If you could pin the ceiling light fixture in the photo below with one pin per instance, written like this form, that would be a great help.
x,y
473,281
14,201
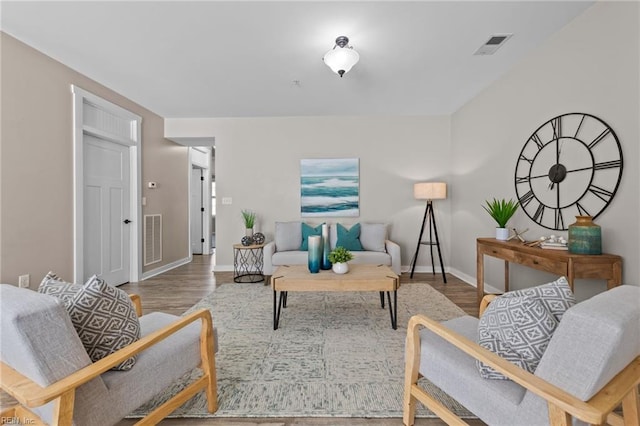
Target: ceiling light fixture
x,y
342,57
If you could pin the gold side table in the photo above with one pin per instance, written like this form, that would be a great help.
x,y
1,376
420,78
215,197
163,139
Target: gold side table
x,y
248,263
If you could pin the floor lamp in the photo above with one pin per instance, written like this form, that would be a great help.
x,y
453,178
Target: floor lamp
x,y
429,191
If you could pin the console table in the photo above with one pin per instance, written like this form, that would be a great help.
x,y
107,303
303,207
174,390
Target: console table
x,y
604,266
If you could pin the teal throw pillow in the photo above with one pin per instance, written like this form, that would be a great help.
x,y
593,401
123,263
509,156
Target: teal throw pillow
x,y
308,231
349,239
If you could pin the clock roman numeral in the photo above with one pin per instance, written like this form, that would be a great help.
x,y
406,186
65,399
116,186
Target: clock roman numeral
x,y
529,160
579,125
601,193
559,219
526,198
608,165
582,210
556,123
523,179
537,216
537,140
601,136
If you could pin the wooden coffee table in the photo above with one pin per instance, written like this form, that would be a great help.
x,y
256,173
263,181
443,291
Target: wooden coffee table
x,y
359,278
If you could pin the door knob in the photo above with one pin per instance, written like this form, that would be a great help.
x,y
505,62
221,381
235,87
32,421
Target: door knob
x,y
127,221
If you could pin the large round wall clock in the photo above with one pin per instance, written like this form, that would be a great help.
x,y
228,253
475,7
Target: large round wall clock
x,y
570,166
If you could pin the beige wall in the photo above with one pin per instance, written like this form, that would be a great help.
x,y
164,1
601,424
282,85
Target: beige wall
x,y
36,166
590,66
258,166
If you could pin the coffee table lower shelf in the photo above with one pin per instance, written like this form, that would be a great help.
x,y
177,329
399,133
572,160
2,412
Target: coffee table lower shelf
x,y
359,278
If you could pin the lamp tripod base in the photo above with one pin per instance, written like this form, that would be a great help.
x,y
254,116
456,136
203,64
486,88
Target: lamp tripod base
x,y
433,232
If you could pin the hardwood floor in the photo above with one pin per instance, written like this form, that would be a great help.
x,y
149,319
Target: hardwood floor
x,y
179,289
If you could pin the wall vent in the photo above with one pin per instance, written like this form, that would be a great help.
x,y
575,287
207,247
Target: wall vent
x,y
152,238
494,43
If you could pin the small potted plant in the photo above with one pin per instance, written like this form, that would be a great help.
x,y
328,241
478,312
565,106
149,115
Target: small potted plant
x,y
339,257
249,219
501,211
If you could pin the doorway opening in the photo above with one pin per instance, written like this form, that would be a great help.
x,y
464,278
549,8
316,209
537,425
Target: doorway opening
x,y
213,214
197,210
200,224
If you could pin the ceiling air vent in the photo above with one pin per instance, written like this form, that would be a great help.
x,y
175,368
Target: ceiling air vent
x,y
493,44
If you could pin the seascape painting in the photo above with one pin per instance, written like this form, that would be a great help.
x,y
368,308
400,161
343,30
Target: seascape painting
x,y
330,187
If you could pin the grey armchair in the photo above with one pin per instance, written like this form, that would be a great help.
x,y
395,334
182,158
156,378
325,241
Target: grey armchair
x,y
592,364
46,368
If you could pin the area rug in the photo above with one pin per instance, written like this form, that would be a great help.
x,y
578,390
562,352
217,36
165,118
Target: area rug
x,y
333,355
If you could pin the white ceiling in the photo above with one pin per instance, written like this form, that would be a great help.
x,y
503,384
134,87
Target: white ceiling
x,y
240,59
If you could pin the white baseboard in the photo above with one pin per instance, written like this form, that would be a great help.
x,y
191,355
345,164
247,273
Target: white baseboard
x,y
164,268
223,268
407,268
472,281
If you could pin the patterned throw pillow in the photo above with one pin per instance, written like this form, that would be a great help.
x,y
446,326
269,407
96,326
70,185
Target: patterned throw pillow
x,y
518,329
55,286
349,239
104,316
556,296
519,325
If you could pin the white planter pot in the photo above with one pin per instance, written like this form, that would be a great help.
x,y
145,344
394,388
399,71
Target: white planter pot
x,y
502,234
340,268
248,232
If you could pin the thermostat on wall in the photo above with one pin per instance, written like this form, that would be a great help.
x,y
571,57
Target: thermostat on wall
x,y
152,185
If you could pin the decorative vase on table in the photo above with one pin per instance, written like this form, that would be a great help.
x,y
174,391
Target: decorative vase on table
x,y
502,234
325,263
258,238
340,267
248,232
314,253
585,237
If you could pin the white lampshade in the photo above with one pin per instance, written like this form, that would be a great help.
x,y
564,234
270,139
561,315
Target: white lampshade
x,y
342,57
430,190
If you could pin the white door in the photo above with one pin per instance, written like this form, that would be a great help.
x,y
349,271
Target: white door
x,y
106,210
196,210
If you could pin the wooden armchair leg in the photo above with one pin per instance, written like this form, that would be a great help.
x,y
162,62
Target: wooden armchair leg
x,y
630,408
63,409
209,365
558,417
411,374
409,407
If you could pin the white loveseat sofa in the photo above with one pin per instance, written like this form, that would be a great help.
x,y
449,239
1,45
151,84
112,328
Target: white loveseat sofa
x,y
285,249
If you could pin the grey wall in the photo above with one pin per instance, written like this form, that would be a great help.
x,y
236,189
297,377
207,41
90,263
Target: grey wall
x,y
590,66
258,166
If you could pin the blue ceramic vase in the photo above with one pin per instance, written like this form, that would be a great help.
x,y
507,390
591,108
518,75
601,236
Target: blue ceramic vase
x,y
326,263
315,253
585,237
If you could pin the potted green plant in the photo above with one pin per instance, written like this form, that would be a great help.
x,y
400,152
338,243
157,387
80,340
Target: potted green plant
x,y
249,219
339,257
501,211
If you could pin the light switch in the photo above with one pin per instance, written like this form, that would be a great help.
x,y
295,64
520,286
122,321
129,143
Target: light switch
x,y
227,200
